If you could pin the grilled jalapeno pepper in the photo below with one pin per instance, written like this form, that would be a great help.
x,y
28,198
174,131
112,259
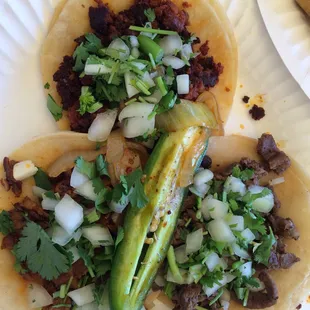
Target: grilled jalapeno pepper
x,y
135,265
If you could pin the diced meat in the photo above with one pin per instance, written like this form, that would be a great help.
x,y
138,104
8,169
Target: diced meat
x,y
10,182
61,184
204,48
277,202
68,83
259,171
283,226
100,17
282,261
276,159
246,99
9,241
206,162
257,112
187,297
261,300
33,277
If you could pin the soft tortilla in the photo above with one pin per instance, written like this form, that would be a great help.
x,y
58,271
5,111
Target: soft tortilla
x,y
208,21
293,284
294,194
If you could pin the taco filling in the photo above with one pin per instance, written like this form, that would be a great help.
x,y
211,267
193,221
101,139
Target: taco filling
x,y
230,236
142,60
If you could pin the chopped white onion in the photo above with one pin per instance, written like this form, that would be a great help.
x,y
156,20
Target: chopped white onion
x,y
96,69
146,78
194,241
87,190
137,126
136,109
246,269
60,236
77,178
117,206
248,235
205,209
98,235
239,251
186,277
220,231
277,181
235,185
135,52
75,253
227,278
186,51
235,222
90,306
69,214
175,62
77,235
203,177
160,280
138,65
264,204
171,44
217,209
24,170
225,304
48,203
133,41
120,46
200,190
38,296
155,97
102,126
83,296
257,289
183,84
180,254
131,90
212,261
38,191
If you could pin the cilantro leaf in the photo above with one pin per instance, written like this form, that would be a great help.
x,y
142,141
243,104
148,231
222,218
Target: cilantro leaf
x,y
51,195
80,55
88,102
102,268
249,197
211,278
86,256
86,167
41,255
6,224
244,175
255,223
120,236
47,85
54,108
112,93
150,14
93,43
119,194
98,185
42,180
262,254
103,196
102,165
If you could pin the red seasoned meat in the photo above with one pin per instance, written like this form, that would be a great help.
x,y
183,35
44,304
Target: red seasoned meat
x,y
283,226
9,241
100,18
187,297
10,182
257,112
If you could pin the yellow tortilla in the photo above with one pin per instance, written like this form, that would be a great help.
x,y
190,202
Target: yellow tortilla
x,y
293,284
208,21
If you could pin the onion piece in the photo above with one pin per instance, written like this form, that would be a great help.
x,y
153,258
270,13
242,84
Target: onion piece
x,y
180,254
227,278
246,269
77,235
69,214
187,278
75,253
90,306
203,176
235,222
277,181
194,241
147,79
135,53
217,209
248,235
155,97
201,190
133,41
87,190
264,204
115,147
67,161
77,178
48,203
183,84
256,289
175,62
186,114
171,44
83,296
160,280
118,45
102,126
38,191
131,90
239,251
186,51
60,236
212,261
38,296
136,109
119,207
138,126
220,231
138,65
98,235
234,185
96,69
24,170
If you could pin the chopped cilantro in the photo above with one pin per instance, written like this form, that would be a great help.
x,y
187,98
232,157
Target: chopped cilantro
x,y
88,102
80,55
102,166
112,93
6,224
98,185
150,14
41,255
244,175
102,268
120,236
42,180
101,198
255,223
249,197
98,293
93,43
211,278
262,253
54,108
47,85
85,167
86,255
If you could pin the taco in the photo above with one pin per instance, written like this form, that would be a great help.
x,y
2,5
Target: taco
x,y
98,56
77,245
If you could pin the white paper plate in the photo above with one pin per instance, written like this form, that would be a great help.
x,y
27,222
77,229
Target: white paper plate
x,y
23,112
289,28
